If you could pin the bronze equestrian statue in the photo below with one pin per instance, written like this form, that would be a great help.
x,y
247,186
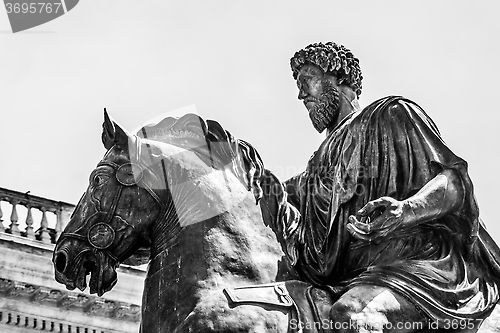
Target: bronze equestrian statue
x,y
380,233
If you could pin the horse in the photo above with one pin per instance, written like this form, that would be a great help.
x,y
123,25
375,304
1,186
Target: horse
x,y
181,190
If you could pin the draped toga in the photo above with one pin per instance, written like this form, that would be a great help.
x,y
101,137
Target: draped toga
x,y
448,267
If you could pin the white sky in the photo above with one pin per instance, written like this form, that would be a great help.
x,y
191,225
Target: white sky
x,y
142,59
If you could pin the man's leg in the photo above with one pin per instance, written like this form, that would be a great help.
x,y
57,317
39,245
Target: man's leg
x,y
369,308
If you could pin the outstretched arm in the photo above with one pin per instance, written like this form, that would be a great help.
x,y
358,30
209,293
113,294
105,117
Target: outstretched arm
x,y
442,195
270,193
280,215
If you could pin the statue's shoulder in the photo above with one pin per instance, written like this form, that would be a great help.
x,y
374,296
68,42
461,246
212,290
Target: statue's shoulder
x,y
390,104
396,110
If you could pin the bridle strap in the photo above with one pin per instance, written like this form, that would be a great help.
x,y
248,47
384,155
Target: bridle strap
x,y
111,213
108,215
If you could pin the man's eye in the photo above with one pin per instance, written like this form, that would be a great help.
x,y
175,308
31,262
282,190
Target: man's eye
x,y
303,82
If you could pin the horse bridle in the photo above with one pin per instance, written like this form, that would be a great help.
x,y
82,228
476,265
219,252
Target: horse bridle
x,y
101,235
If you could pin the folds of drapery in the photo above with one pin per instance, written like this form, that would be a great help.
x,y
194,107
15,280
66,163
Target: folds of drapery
x,y
447,266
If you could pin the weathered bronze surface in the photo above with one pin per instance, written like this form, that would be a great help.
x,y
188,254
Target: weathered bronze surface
x,y
381,230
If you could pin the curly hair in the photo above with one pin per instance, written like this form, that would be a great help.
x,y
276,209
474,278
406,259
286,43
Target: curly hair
x,y
333,59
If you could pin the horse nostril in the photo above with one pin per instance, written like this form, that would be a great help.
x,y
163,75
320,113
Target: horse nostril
x,y
60,262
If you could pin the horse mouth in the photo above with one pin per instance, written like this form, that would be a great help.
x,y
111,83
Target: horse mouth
x,y
102,275
81,280
100,268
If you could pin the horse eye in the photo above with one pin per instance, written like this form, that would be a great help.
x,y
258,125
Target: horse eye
x,y
98,180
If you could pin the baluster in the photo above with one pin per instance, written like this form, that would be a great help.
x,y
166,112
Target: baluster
x,y
29,225
2,229
43,234
14,226
62,220
59,223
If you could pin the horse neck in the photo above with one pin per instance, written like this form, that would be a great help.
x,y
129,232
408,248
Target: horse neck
x,y
231,243
230,249
213,237
193,192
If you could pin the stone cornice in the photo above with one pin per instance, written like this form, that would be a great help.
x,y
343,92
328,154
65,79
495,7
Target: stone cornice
x,y
12,320
68,300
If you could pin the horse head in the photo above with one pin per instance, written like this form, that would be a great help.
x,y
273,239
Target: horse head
x,y
114,216
145,191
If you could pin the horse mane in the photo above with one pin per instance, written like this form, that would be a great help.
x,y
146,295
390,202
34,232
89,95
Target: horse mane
x,y
213,144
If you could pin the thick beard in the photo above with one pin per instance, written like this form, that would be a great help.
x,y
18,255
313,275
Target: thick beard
x,y
327,109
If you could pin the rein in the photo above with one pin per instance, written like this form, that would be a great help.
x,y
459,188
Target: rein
x,y
163,235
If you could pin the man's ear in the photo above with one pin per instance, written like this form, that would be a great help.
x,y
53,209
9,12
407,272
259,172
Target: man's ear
x,y
113,134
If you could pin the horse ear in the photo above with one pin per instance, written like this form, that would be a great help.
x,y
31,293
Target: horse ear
x,y
112,133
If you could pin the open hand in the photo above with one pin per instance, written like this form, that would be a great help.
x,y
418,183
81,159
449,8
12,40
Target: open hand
x,y
378,219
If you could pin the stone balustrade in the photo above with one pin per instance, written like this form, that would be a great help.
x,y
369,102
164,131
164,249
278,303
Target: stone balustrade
x,y
29,228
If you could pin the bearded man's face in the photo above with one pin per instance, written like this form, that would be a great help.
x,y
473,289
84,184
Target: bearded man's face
x,y
320,95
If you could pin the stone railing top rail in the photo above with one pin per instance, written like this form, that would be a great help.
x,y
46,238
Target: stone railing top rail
x,y
45,230
34,201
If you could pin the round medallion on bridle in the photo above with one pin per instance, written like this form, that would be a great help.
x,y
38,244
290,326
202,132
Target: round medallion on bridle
x,y
101,236
129,174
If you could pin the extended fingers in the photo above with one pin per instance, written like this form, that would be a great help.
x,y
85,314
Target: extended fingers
x,y
360,223
362,235
369,226
356,232
373,231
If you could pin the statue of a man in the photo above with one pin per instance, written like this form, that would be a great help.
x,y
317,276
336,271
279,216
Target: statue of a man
x,y
385,211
